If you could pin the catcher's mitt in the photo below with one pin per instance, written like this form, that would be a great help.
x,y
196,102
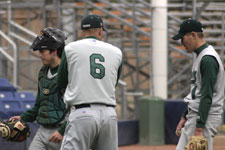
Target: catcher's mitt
x,y
197,143
14,130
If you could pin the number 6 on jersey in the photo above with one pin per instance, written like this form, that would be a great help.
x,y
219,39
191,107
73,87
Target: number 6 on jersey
x,y
97,69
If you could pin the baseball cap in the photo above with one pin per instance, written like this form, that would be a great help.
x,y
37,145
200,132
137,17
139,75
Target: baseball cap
x,y
188,26
92,21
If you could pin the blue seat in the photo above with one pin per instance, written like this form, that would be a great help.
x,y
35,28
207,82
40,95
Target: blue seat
x,y
5,95
3,115
6,86
10,107
26,99
10,104
26,104
25,96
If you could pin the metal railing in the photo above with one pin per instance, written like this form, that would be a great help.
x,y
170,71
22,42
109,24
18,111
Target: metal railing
x,y
118,18
12,59
23,29
124,108
8,36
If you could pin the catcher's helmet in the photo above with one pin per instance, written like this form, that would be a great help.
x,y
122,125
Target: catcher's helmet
x,y
50,39
14,130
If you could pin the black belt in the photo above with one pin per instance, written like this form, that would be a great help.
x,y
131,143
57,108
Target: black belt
x,y
89,105
52,125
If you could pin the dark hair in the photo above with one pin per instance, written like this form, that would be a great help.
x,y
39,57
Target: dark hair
x,y
60,50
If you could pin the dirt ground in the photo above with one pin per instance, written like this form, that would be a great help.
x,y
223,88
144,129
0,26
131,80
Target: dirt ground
x,y
164,147
139,147
219,144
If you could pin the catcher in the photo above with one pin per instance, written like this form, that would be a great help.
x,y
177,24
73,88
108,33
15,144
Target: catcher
x,y
14,130
49,109
205,100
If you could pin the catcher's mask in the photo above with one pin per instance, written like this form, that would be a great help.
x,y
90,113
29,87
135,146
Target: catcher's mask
x,y
14,130
50,38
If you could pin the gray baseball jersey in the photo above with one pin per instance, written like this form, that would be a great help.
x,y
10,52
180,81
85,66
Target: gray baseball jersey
x,y
194,96
93,66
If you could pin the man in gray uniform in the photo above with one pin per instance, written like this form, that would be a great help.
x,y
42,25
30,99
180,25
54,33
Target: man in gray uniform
x,y
90,70
205,100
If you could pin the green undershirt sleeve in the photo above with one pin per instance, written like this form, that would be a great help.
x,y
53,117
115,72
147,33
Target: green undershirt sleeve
x,y
185,113
209,69
62,77
119,73
62,128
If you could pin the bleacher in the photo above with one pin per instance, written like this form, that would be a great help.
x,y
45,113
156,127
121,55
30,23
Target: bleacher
x,y
135,41
13,102
129,28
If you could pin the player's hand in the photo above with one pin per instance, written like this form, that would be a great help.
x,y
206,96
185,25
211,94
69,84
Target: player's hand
x,y
198,132
15,117
180,126
56,137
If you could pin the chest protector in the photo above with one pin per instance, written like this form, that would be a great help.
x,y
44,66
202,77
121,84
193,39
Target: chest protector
x,y
52,108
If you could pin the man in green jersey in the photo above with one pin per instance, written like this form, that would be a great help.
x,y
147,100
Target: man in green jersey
x,y
49,109
205,100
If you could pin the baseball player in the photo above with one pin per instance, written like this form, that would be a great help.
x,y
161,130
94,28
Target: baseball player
x,y
49,109
90,70
205,100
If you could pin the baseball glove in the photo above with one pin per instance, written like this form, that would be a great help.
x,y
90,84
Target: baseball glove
x,y
197,143
14,130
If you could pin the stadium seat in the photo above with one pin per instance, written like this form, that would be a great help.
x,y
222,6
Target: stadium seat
x,y
10,107
5,95
26,104
25,96
6,86
3,115
26,99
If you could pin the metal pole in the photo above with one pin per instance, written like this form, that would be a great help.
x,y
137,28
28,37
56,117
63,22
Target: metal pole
x,y
15,73
123,99
194,10
58,11
222,42
135,45
75,36
124,103
44,15
9,15
159,48
14,55
151,65
135,49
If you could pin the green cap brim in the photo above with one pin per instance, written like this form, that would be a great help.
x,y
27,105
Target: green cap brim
x,y
177,37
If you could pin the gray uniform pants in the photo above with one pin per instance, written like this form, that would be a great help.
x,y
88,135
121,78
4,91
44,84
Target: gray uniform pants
x,y
210,130
41,140
92,127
